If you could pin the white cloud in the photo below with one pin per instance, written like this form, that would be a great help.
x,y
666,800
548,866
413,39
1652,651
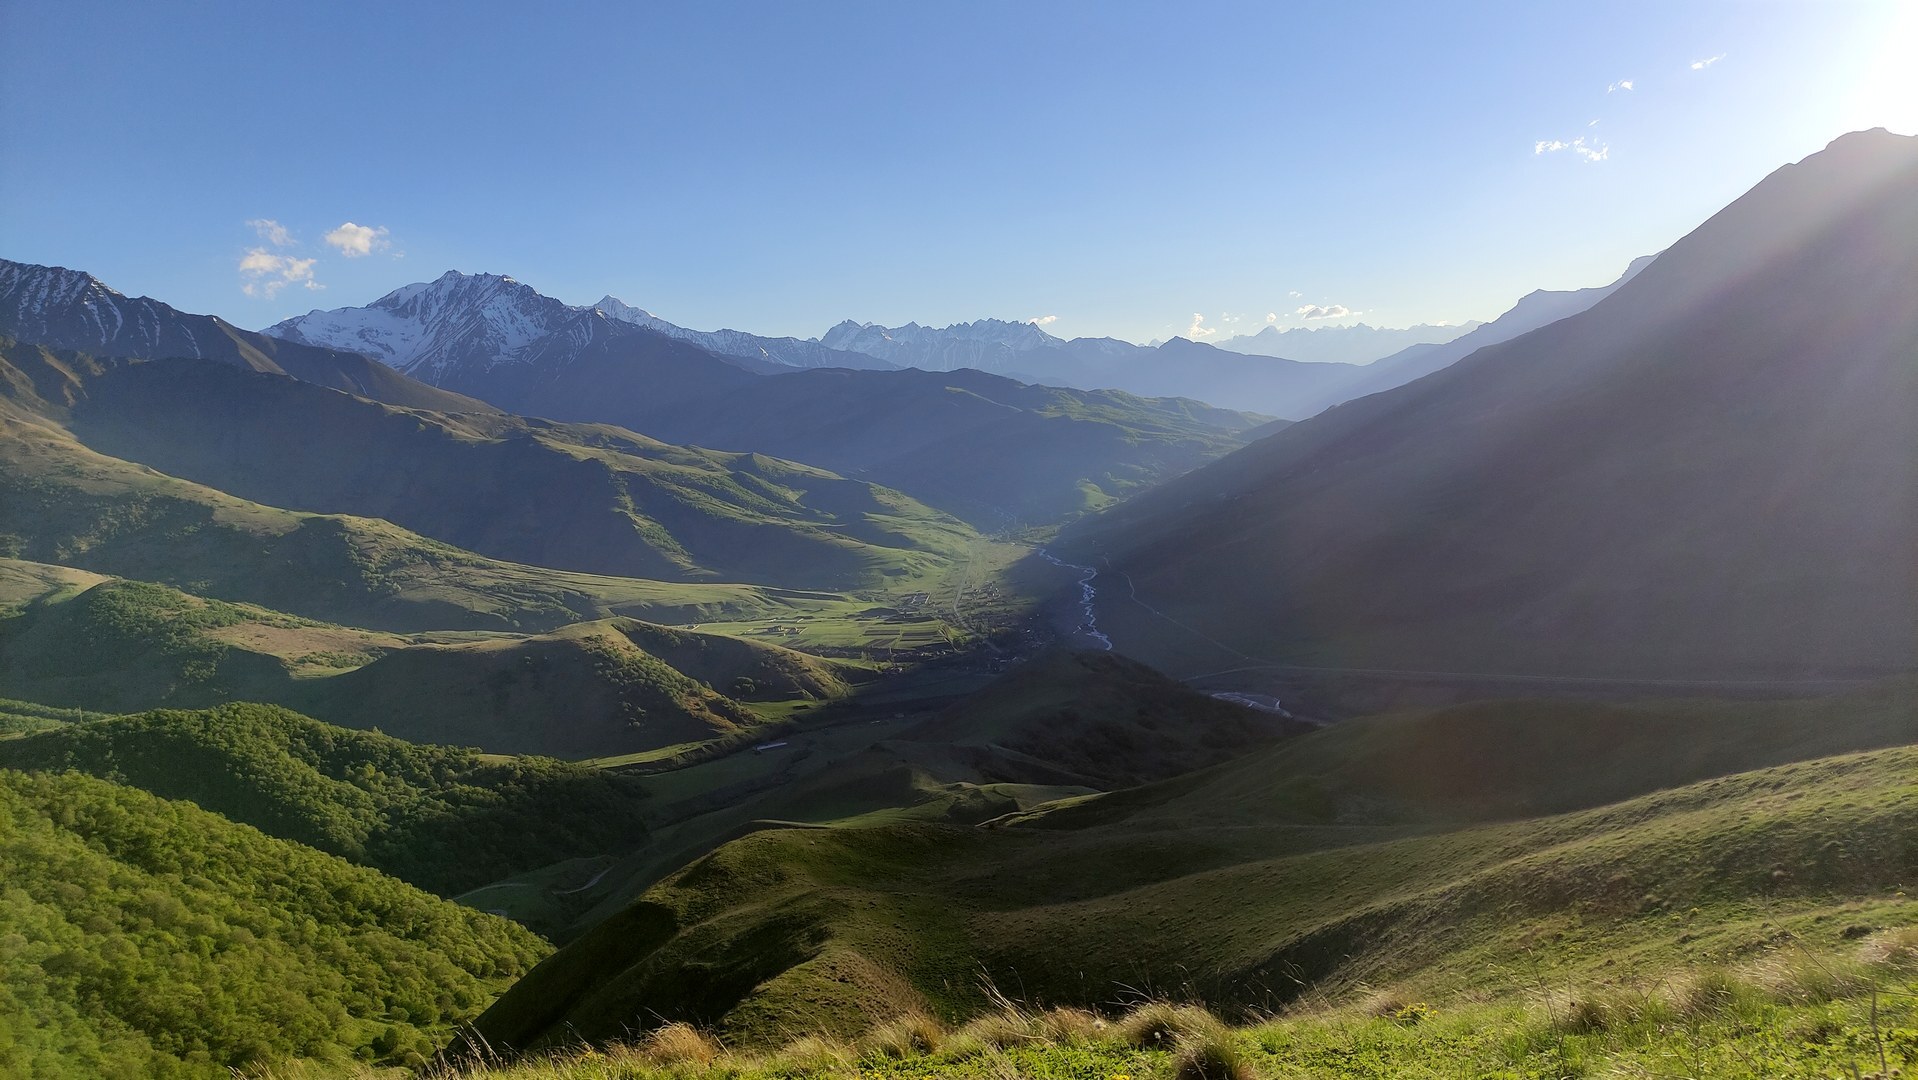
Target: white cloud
x,y
1044,320
1622,84
264,274
1295,294
354,241
1198,331
1700,65
271,231
1590,149
1314,311
1271,317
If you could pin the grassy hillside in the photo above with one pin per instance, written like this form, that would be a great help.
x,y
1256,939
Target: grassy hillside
x,y
584,691
1834,1003
61,503
577,497
148,938
986,448
1066,724
1287,890
1107,721
1500,760
442,818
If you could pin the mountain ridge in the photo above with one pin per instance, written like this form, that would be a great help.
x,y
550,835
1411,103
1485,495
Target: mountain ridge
x,y
1742,410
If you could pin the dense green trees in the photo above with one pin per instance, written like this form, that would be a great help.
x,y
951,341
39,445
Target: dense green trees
x,y
443,818
141,937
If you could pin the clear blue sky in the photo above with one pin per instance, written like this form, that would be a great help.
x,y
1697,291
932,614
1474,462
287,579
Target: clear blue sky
x,y
777,167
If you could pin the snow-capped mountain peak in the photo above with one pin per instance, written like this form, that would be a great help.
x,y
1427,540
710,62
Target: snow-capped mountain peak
x,y
72,309
424,327
791,352
983,343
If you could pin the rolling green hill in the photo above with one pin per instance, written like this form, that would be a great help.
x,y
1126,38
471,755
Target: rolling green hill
x,y
61,503
1065,724
149,938
983,447
583,691
1259,880
441,818
588,690
575,497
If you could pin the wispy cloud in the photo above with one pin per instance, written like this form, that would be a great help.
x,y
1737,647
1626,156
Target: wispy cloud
x,y
1198,331
1622,84
1700,65
1044,320
1585,147
1333,311
356,241
263,274
271,231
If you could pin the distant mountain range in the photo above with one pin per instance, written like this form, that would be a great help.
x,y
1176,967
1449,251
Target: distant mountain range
x,y
496,338
68,309
1710,473
1356,344
791,352
985,447
448,330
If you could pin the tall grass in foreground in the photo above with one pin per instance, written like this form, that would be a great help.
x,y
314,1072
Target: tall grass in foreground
x,y
1786,1014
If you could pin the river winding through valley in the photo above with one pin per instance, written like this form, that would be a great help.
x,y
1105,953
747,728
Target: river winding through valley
x,y
1089,620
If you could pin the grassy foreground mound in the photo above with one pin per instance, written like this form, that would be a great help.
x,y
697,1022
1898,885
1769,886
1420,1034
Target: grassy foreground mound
x,y
1792,1011
146,938
442,818
830,929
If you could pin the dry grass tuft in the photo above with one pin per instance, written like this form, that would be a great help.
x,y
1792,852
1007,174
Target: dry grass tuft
x,y
680,1044
1160,1025
1896,949
997,1031
1210,1055
1072,1027
1386,1004
815,1054
1710,991
1798,978
911,1035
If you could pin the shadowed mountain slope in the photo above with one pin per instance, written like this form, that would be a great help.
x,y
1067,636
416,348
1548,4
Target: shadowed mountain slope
x,y
1712,473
